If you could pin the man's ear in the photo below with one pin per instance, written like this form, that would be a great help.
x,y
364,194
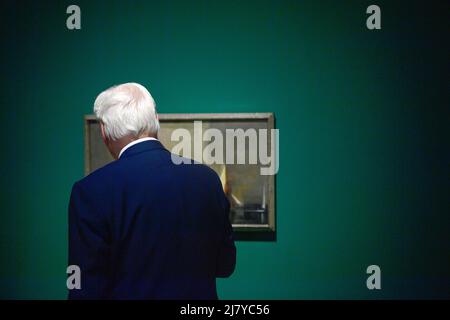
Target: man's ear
x,y
102,128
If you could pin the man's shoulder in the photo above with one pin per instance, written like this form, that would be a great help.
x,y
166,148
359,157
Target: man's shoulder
x,y
101,177
184,162
198,170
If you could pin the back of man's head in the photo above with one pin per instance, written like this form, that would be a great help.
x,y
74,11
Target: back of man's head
x,y
127,110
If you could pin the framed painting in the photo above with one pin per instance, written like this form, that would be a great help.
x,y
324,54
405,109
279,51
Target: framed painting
x,y
240,147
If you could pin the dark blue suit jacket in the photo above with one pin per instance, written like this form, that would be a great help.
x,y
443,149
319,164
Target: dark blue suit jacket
x,y
143,227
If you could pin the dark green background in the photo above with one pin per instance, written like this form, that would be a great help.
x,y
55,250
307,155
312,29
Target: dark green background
x,y
363,118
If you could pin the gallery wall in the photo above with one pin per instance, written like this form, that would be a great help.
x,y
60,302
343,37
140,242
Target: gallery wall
x,y
363,119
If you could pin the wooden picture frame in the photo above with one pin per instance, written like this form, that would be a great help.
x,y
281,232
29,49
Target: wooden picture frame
x,y
253,200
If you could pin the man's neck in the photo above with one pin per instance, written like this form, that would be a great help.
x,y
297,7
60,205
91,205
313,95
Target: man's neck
x,y
133,142
117,147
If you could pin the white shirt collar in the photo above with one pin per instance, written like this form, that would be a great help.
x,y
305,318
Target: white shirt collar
x,y
132,143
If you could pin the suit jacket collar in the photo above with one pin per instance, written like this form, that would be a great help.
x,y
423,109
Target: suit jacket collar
x,y
143,146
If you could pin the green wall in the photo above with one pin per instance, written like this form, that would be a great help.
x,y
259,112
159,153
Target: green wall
x,y
363,119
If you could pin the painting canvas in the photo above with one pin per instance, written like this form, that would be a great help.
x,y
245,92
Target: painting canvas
x,y
251,194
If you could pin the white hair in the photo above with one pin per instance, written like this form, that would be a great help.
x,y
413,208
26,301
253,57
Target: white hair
x,y
127,109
